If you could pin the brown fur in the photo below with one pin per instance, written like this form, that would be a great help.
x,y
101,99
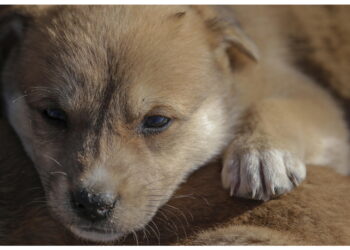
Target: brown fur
x,y
269,122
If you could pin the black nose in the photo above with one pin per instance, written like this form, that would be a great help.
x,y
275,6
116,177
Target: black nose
x,y
93,206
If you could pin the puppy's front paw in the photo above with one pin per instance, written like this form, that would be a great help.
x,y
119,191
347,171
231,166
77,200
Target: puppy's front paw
x,y
261,174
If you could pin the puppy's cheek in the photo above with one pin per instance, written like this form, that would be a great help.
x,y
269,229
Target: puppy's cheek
x,y
18,116
57,195
212,131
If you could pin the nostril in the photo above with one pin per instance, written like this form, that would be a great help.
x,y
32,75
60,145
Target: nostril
x,y
78,205
80,199
93,206
77,201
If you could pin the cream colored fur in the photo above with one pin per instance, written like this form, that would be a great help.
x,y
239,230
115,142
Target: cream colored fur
x,y
224,76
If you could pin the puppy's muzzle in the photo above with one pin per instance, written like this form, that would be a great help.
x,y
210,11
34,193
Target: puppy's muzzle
x,y
91,206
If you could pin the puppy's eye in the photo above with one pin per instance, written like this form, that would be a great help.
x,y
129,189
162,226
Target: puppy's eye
x,y
53,114
155,124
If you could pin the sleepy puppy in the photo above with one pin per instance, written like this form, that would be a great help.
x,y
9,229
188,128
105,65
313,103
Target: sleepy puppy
x,y
117,105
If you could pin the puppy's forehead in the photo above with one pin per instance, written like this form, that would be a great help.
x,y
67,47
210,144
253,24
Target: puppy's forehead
x,y
111,56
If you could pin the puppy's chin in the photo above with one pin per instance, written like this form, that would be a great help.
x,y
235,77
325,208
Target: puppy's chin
x,y
95,234
61,210
103,232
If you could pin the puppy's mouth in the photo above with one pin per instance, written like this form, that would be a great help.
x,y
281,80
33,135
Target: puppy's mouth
x,y
103,231
96,234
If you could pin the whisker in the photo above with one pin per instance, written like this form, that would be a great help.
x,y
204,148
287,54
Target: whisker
x,y
54,160
154,232
179,210
59,172
18,98
135,237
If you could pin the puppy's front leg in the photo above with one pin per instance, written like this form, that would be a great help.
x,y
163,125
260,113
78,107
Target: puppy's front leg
x,y
276,138
263,160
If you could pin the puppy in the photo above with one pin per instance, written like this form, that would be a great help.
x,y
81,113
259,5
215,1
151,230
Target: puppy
x,y
117,105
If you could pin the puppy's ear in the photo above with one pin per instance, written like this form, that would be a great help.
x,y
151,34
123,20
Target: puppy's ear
x,y
225,33
14,21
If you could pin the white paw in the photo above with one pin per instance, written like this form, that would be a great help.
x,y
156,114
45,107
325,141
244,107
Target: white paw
x,y
263,174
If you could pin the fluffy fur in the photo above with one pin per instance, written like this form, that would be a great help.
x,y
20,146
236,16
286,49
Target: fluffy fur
x,y
278,119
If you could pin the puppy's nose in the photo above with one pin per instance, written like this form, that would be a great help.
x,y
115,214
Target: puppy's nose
x,y
92,206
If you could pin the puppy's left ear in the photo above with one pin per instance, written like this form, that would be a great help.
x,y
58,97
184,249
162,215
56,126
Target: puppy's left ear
x,y
14,21
12,27
225,33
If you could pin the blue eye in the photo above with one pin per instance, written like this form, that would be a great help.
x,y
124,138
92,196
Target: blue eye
x,y
156,123
55,114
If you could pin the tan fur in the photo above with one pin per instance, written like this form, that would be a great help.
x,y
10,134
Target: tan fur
x,y
243,235
224,86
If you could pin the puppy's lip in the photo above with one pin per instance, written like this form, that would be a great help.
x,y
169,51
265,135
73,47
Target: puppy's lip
x,y
96,234
95,229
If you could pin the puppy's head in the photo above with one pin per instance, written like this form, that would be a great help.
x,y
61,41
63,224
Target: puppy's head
x,y
116,105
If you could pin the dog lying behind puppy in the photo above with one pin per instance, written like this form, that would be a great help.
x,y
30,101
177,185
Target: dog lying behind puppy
x,y
117,105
